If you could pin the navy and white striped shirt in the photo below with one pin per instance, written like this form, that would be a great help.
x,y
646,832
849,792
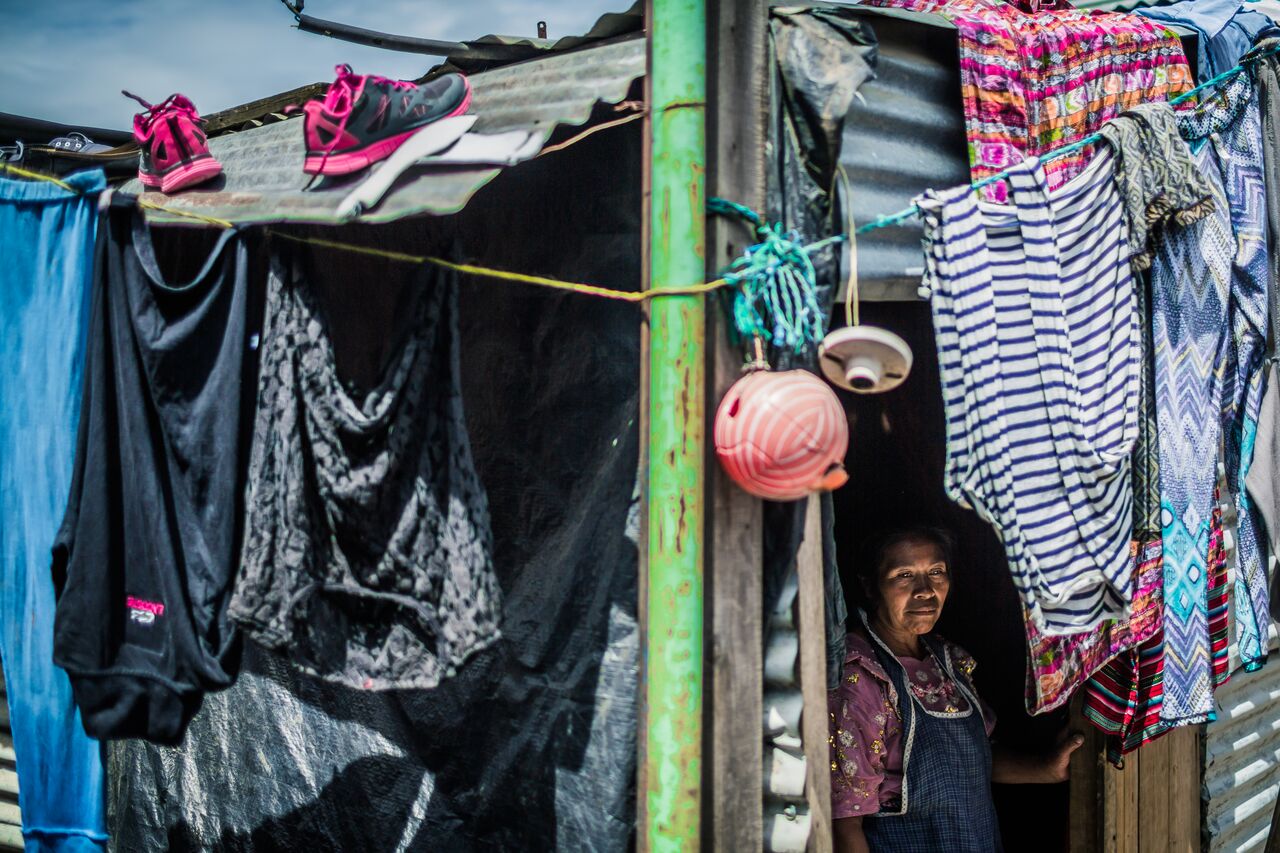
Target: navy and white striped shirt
x,y
1034,311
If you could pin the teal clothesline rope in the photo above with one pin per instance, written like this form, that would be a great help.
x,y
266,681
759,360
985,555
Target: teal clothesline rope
x,y
775,281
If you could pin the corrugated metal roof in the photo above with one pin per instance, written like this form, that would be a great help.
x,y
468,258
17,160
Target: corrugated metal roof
x,y
1242,746
786,813
904,135
263,179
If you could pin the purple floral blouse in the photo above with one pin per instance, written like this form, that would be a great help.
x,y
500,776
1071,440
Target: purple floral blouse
x,y
866,731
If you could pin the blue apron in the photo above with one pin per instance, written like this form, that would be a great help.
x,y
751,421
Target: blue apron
x,y
946,772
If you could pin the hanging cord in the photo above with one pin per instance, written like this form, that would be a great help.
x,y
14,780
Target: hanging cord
x,y
777,298
505,275
909,212
851,298
632,296
775,275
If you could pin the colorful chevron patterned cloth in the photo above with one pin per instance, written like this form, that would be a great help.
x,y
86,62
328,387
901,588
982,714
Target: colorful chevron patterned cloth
x,y
1190,294
1232,123
1209,324
1033,82
1125,697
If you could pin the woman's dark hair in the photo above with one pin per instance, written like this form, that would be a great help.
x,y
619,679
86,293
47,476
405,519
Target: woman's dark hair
x,y
867,568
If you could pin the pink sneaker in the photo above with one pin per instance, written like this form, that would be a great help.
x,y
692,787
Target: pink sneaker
x,y
175,153
364,118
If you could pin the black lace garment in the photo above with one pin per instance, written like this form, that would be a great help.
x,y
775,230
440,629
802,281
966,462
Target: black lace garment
x,y
367,554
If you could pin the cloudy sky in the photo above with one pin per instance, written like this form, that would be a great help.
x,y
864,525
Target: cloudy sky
x,y
67,60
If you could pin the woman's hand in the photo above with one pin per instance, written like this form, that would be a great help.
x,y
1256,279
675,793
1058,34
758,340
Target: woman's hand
x,y
1015,768
1058,762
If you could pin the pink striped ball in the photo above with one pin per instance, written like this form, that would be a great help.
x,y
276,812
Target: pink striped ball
x,y
782,436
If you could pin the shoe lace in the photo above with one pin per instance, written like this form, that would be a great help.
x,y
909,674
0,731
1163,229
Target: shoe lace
x,y
175,103
340,100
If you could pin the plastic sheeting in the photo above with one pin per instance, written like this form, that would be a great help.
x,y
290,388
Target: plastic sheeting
x,y
823,58
532,745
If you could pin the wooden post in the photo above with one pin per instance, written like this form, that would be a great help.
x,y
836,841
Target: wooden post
x,y
811,623
737,118
1120,806
1153,796
1085,785
1183,782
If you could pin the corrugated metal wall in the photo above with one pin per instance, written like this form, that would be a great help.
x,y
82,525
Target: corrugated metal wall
x,y
904,134
786,812
10,817
1242,760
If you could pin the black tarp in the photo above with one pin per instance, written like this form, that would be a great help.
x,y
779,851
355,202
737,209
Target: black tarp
x,y
532,745
823,58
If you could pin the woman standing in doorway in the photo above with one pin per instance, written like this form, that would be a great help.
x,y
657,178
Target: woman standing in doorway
x,y
911,760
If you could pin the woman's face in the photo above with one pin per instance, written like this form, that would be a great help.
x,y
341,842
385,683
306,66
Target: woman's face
x,y
913,583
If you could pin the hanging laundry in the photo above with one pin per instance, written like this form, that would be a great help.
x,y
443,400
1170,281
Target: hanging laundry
x,y
1145,462
1039,349
1156,175
1225,30
1161,187
1190,284
1034,82
1110,655
1263,479
1158,183
151,536
1231,124
1209,323
46,262
367,554
1057,666
1125,698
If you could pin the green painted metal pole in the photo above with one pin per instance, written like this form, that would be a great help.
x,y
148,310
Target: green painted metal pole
x,y
677,428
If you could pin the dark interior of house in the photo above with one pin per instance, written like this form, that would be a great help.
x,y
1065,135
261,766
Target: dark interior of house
x,y
897,449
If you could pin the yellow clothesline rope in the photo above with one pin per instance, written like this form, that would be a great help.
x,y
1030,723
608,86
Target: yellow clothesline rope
x,y
468,269
506,275
38,176
186,214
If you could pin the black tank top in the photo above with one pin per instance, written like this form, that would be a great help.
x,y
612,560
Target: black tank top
x,y
150,540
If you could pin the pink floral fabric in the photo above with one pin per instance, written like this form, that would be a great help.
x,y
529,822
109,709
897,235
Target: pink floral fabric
x,y
1057,666
866,730
1032,80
